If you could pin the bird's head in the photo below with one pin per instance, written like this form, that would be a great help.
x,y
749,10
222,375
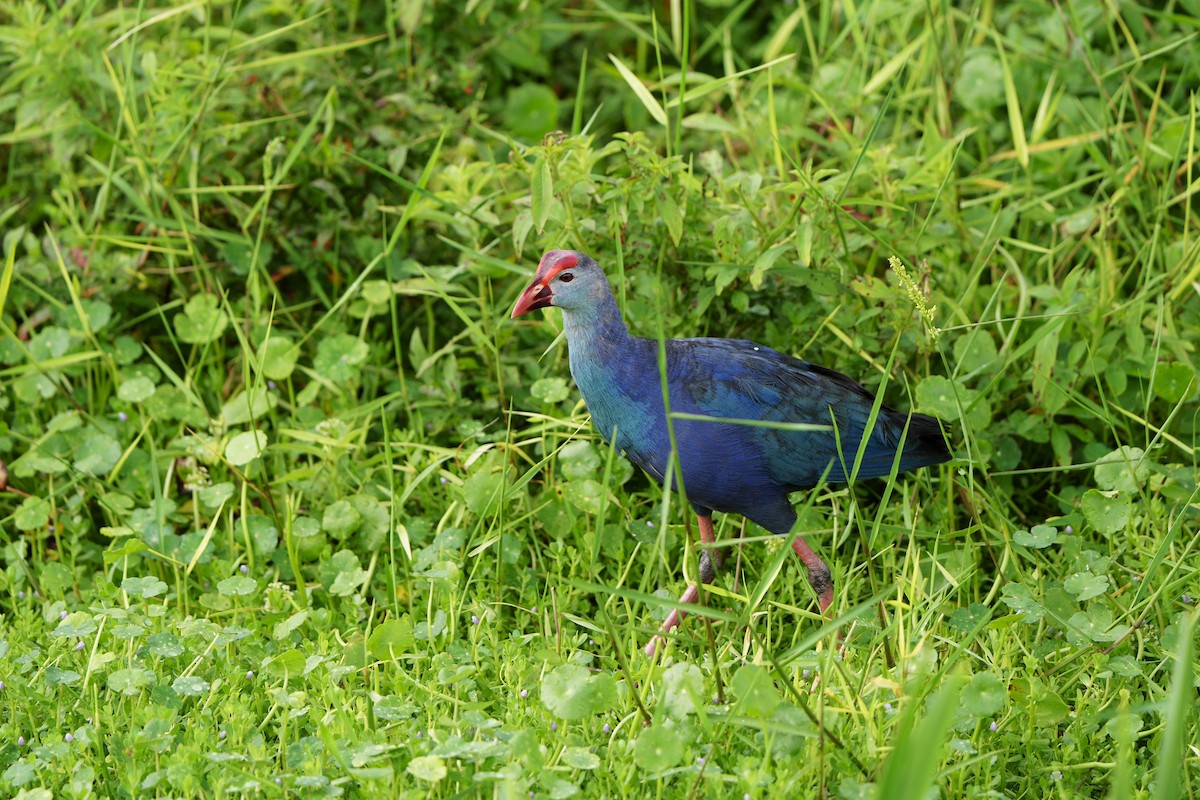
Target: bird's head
x,y
565,279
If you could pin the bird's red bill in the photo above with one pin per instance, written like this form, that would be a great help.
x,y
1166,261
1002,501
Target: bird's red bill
x,y
538,294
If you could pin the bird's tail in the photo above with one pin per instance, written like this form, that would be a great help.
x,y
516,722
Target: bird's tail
x,y
924,444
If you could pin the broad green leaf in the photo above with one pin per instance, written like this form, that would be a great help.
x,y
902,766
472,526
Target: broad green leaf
x,y
1084,585
146,587
430,769
288,664
550,390
1047,707
587,495
190,686
980,84
341,519
1107,512
392,638
1039,536
657,749
1124,469
683,690
671,215
32,514
572,692
1095,624
579,460
245,447
278,356
130,682
247,406
1018,597
943,398
1174,382
97,453
755,691
531,111
202,320
577,757
392,708
136,390
285,628
339,356
984,694
965,620
341,574
237,585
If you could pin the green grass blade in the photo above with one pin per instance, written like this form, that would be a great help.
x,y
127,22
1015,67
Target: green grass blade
x,y
643,94
919,741
1169,774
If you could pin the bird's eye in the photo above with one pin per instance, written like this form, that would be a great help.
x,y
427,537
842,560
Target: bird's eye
x,y
566,277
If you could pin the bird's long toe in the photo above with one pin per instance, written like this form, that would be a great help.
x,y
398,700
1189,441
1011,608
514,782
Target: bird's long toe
x,y
819,577
673,619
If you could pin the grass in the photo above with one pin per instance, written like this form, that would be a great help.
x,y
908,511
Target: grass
x,y
290,507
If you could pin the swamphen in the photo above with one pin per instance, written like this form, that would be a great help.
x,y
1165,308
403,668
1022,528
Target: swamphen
x,y
726,466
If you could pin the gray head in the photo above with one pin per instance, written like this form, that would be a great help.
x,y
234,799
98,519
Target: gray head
x,y
565,279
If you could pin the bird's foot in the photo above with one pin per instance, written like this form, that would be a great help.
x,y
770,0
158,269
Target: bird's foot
x,y
672,621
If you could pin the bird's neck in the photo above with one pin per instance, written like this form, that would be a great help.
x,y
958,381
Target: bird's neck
x,y
597,324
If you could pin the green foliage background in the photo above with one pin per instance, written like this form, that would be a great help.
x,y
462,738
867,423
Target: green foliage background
x,y
292,507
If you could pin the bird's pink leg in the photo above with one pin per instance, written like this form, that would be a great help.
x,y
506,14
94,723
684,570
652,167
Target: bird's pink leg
x,y
818,574
710,562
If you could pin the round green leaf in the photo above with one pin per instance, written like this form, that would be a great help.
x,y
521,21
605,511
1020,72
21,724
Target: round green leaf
x,y
279,357
571,692
683,689
551,391
97,453
943,397
1084,585
288,664
580,758
130,682
1124,469
980,85
189,686
377,293
755,692
531,111
32,514
136,389
579,460
984,694
338,357
149,586
247,406
586,495
1038,536
657,749
1174,382
1108,512
965,620
391,638
98,312
238,585
245,447
341,519
427,768
202,320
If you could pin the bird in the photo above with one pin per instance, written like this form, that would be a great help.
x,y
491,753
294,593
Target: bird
x,y
734,407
